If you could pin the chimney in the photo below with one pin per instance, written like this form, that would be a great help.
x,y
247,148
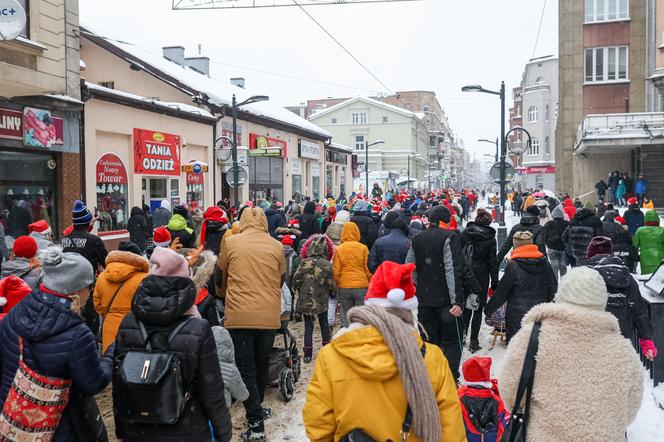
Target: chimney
x,y
200,64
238,81
174,54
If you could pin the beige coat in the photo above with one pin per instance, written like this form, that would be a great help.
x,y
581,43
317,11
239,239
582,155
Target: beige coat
x,y
588,379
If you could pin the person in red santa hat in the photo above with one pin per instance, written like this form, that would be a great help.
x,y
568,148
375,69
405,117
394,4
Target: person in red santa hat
x,y
41,232
161,237
380,362
12,291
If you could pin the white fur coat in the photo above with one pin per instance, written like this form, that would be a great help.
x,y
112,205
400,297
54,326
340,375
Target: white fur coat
x,y
588,379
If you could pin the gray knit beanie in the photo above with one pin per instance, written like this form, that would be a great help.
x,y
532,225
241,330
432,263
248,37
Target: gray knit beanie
x,y
65,273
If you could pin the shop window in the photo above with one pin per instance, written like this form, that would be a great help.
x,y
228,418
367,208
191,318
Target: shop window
x,y
27,191
329,180
175,191
112,193
195,190
342,180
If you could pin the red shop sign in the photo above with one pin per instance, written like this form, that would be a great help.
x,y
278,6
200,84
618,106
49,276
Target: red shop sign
x,y
11,124
111,170
195,178
262,142
543,169
156,153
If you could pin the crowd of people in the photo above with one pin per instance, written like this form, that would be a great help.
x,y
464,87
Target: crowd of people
x,y
182,318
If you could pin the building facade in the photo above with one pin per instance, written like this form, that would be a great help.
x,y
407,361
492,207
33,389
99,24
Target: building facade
x,y
535,109
360,121
40,113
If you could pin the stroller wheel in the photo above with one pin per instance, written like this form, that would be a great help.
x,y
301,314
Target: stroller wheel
x,y
297,367
286,384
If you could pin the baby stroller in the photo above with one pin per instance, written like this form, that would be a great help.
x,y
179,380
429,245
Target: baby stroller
x,y
497,321
285,364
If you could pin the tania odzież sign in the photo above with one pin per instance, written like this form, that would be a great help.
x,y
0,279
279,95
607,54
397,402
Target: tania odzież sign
x,y
156,153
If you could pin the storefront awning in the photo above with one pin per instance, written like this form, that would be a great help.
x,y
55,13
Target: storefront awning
x,y
615,133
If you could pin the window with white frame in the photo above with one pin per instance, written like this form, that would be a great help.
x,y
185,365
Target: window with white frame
x,y
534,147
547,113
359,142
547,146
606,10
606,64
334,121
533,114
385,119
359,117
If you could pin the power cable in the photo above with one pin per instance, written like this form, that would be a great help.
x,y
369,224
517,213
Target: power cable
x,y
539,29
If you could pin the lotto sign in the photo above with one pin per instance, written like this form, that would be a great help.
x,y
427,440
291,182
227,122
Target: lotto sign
x,y
156,153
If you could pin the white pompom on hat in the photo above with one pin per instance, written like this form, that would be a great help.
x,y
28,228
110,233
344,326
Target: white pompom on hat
x,y
584,287
392,286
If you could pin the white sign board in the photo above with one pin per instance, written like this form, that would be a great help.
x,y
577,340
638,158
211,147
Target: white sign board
x,y
309,150
296,167
12,19
315,169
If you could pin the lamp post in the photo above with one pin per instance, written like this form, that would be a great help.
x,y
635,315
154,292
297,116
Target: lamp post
x,y
411,155
484,140
366,162
236,169
502,228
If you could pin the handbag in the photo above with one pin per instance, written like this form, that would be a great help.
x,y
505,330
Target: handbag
x,y
98,338
34,404
516,429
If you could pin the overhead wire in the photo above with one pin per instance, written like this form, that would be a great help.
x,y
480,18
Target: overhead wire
x,y
539,29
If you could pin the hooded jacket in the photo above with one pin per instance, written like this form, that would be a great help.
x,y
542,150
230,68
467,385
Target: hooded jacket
x,y
634,219
162,215
252,263
356,372
313,281
42,241
138,228
122,268
582,362
610,228
179,229
56,342
234,387
274,220
309,224
528,223
649,240
350,262
484,262
553,233
368,229
393,246
528,281
90,246
583,228
22,268
625,301
160,303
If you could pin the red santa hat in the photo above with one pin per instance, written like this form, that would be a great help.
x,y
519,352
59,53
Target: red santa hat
x,y
392,286
477,369
632,200
161,237
294,224
12,291
287,240
40,226
620,220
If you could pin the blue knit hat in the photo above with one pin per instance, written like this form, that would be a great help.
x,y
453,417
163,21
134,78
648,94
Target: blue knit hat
x,y
80,214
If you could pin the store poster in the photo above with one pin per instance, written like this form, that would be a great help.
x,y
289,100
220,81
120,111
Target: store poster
x,y
267,145
156,153
112,193
40,129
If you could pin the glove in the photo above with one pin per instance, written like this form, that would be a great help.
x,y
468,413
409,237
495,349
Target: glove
x,y
472,302
490,292
648,345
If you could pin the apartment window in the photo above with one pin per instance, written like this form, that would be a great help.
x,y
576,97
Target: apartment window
x,y
334,121
606,64
108,84
547,146
384,119
547,113
606,10
534,147
359,117
360,142
425,108
533,114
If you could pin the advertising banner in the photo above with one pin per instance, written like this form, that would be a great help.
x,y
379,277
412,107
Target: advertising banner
x,y
11,124
266,144
111,170
309,150
542,169
40,129
156,153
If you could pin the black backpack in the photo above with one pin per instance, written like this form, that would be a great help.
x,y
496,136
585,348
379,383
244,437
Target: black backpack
x,y
150,384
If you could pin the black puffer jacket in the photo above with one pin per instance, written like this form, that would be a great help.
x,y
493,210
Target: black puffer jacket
x,y
527,282
138,228
583,228
309,224
56,343
553,233
530,223
625,301
160,302
610,228
214,233
368,229
485,264
623,249
392,247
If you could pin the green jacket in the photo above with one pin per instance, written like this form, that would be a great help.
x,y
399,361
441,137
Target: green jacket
x,y
649,240
178,223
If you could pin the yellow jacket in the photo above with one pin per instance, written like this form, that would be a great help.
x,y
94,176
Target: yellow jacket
x,y
649,205
356,385
530,200
350,260
121,267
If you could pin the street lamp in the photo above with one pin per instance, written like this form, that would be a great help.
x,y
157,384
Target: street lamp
x,y
502,228
411,155
366,162
484,140
236,169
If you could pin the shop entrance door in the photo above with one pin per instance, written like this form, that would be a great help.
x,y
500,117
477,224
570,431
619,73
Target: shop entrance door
x,y
157,189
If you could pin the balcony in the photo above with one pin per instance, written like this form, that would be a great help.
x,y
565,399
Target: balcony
x,y
612,133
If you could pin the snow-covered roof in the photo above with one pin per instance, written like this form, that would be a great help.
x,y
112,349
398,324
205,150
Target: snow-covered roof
x,y
165,104
365,100
341,147
219,92
65,98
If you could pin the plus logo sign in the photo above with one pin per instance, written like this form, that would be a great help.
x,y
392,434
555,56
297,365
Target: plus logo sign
x,y
8,11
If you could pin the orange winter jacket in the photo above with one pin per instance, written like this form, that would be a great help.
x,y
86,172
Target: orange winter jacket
x,y
121,267
350,260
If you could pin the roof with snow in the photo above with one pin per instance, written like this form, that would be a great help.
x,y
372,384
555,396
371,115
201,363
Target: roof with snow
x,y
365,100
219,93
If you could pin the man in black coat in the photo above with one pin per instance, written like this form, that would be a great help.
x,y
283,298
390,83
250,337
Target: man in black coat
x,y
393,246
529,222
633,216
583,228
552,233
309,224
479,240
438,275
528,281
367,225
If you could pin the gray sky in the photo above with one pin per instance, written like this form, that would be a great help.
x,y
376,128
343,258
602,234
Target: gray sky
x,y
437,45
